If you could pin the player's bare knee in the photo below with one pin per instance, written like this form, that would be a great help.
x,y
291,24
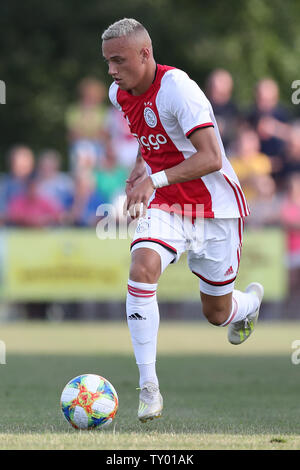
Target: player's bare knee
x,y
145,266
140,272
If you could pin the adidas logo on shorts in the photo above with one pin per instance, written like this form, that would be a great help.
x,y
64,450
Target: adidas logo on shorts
x,y
136,316
229,271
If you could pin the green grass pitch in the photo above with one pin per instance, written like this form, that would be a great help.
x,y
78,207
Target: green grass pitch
x,y
217,396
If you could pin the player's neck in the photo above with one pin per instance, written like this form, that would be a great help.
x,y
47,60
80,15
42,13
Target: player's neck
x,y
147,80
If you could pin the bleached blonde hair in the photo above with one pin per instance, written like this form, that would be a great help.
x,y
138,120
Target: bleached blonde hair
x,y
123,28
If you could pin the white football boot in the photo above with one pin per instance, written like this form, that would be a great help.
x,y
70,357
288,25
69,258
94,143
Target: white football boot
x,y
151,402
240,331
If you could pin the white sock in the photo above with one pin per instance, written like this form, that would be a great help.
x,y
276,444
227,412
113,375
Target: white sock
x,y
148,373
243,303
143,322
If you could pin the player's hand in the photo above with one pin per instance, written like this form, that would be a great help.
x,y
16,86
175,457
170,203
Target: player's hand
x,y
136,177
137,198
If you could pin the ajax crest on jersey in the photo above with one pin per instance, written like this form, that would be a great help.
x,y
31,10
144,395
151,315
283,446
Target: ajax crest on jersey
x,y
150,117
89,401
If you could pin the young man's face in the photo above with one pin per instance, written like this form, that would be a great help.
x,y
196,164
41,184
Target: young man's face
x,y
126,62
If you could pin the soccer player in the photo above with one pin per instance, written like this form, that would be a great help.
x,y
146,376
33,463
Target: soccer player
x,y
185,194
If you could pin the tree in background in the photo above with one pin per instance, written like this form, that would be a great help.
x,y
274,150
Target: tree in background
x,y
46,48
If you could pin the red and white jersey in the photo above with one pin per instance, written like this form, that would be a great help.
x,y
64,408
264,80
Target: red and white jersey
x,y
162,119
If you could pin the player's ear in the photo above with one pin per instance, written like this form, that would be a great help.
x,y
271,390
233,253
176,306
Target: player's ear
x,y
145,54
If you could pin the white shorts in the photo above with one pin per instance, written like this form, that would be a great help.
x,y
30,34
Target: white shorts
x,y
213,246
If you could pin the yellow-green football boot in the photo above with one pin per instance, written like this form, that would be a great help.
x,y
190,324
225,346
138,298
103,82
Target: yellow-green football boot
x,y
240,331
151,402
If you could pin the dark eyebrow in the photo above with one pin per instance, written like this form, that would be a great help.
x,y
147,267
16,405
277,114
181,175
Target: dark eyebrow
x,y
115,57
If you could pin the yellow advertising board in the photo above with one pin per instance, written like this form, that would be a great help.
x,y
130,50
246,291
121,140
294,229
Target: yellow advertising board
x,y
262,260
73,264
65,265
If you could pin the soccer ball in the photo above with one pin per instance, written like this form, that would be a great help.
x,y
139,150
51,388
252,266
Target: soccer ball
x,y
89,401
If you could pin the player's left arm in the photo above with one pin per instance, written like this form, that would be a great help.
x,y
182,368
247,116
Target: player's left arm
x,y
205,160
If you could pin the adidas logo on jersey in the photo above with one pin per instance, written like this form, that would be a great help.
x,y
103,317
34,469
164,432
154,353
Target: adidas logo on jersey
x,y
229,271
136,316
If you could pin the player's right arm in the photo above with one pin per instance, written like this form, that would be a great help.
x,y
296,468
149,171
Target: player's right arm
x,y
138,173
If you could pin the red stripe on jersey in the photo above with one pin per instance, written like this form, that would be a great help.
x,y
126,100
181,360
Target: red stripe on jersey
x,y
240,231
207,124
235,193
243,199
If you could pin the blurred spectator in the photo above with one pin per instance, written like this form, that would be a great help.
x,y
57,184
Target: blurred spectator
x,y
265,208
21,166
29,209
86,200
123,144
249,163
2,199
86,157
219,91
290,219
270,119
292,151
111,178
85,120
53,184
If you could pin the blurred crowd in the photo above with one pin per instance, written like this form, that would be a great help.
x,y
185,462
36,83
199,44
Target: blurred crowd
x,y
35,192
262,143
263,146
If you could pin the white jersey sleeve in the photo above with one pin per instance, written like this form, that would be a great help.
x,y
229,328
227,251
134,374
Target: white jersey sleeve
x,y
187,102
113,89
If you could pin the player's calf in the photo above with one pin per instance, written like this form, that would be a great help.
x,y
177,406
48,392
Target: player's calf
x,y
238,311
216,308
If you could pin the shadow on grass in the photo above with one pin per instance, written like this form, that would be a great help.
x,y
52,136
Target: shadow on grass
x,y
202,393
